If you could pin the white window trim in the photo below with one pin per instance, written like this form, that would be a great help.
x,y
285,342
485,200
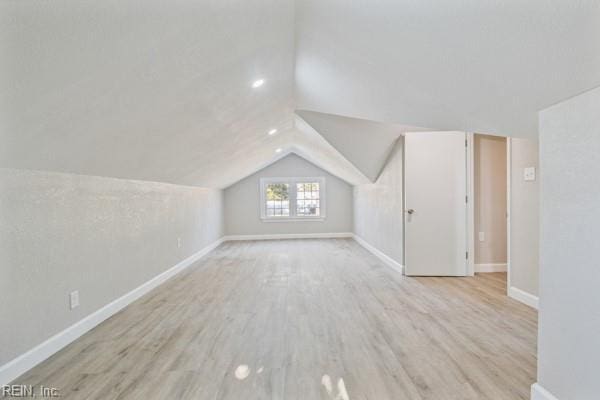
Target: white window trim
x,y
293,181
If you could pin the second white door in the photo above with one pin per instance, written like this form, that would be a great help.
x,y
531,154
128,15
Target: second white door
x,y
435,204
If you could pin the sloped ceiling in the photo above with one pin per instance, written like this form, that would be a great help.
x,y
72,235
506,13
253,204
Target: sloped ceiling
x,y
151,90
366,144
483,66
311,145
161,90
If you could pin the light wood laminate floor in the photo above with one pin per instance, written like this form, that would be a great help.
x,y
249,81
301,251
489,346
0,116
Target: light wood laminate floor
x,y
306,320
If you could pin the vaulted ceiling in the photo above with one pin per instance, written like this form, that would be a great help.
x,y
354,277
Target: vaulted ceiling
x,y
162,90
482,66
152,90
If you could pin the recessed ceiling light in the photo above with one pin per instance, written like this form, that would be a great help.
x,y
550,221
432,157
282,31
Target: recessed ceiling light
x,y
272,132
258,83
279,150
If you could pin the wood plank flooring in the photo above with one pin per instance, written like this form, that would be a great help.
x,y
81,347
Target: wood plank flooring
x,y
306,320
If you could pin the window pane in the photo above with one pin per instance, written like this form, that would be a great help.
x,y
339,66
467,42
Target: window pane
x,y
307,199
278,200
277,191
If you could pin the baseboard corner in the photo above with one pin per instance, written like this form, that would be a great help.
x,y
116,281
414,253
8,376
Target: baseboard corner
x,y
524,297
539,393
484,268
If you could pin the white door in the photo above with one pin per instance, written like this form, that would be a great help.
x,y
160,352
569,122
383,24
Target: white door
x,y
435,203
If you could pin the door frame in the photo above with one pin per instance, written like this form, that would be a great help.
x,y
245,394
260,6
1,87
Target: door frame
x,y
508,210
471,203
471,206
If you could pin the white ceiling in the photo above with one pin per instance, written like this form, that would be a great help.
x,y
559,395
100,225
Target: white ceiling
x,y
483,66
161,90
152,90
312,146
366,144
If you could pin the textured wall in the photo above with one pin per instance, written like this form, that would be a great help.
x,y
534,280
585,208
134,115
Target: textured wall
x,y
569,318
242,202
490,199
378,213
101,236
525,220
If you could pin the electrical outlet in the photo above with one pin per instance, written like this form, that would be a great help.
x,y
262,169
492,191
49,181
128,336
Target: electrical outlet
x,y
178,242
529,174
74,299
481,236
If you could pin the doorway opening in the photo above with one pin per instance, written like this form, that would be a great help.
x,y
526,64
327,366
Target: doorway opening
x,y
490,194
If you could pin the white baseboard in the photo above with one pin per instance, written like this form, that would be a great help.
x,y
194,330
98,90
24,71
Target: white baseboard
x,y
490,268
382,256
23,363
289,236
539,393
523,297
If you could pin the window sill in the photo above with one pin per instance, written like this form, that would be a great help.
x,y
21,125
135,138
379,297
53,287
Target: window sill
x,y
287,219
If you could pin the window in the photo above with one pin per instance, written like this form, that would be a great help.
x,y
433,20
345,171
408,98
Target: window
x,y
285,199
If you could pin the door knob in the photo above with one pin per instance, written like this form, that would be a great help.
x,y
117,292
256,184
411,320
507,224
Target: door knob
x,y
410,211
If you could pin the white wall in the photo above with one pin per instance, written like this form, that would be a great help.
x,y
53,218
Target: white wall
x,y
101,236
242,202
525,209
569,318
378,213
490,199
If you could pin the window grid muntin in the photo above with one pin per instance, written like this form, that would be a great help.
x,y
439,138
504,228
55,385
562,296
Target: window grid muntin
x,y
293,204
308,202
277,204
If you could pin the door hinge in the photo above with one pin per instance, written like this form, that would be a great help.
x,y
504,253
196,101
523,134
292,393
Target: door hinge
x,y
467,255
466,199
466,143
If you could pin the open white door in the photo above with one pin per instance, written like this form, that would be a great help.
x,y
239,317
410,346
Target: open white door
x,y
436,204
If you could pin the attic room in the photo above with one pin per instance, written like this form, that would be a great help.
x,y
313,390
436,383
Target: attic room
x,y
299,199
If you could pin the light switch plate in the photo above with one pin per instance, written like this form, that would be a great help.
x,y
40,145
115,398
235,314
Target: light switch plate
x,y
481,236
74,299
529,174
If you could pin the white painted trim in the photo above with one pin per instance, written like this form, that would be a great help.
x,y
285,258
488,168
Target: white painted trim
x,y
508,211
23,363
471,203
539,393
480,268
280,236
294,219
523,297
381,255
